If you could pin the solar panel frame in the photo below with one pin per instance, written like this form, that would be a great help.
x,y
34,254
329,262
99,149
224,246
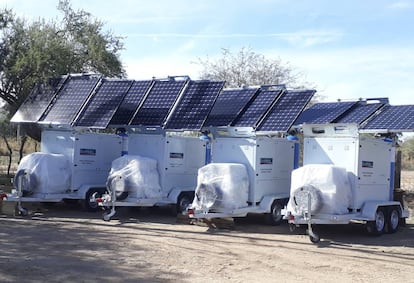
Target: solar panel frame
x,y
399,118
158,103
101,107
70,99
285,111
37,102
325,112
258,107
229,104
194,106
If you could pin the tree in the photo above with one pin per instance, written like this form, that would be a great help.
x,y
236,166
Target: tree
x,y
407,150
40,50
248,68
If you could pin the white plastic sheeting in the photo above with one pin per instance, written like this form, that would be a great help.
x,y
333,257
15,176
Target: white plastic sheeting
x,y
328,186
221,186
48,173
137,175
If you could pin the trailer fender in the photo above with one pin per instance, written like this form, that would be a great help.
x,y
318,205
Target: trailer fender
x,y
267,201
174,193
370,208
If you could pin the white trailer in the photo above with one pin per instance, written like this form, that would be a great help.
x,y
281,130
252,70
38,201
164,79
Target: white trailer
x,y
72,165
224,189
347,177
172,182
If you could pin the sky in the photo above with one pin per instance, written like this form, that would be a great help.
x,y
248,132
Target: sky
x,y
346,49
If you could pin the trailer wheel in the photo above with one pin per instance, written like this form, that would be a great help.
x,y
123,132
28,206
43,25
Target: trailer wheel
x,y
377,226
393,220
183,201
275,216
315,238
92,206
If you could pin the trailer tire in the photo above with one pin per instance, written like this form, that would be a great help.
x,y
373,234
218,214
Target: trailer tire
x,y
377,227
393,220
275,216
300,199
90,205
117,183
183,201
28,183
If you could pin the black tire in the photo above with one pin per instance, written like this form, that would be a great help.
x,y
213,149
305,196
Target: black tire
x,y
377,226
121,195
183,201
315,238
275,216
90,205
393,220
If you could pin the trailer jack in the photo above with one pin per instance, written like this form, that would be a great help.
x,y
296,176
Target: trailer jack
x,y
313,237
108,214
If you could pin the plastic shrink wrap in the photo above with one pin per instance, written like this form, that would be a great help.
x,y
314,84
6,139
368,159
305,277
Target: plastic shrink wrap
x,y
137,175
46,173
221,186
327,186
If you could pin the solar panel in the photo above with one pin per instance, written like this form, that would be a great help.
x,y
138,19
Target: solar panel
x,y
195,105
37,102
70,99
102,106
229,105
158,103
359,113
286,110
393,119
130,103
324,112
258,107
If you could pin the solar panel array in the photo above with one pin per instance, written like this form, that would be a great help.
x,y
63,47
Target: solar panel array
x,y
37,102
131,102
286,110
229,105
183,104
393,118
258,107
324,112
359,113
158,103
102,106
70,99
194,107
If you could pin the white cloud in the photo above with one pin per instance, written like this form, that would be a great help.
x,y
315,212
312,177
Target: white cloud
x,y
307,38
401,5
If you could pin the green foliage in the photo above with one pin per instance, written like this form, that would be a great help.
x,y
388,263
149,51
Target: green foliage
x,y
39,50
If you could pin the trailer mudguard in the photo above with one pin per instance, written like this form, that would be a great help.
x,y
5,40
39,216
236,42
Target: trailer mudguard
x,y
174,193
370,207
267,201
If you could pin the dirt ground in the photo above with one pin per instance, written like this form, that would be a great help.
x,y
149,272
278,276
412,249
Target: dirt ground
x,y
64,244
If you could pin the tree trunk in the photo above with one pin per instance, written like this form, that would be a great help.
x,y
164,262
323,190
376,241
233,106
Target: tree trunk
x,y
23,140
10,155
